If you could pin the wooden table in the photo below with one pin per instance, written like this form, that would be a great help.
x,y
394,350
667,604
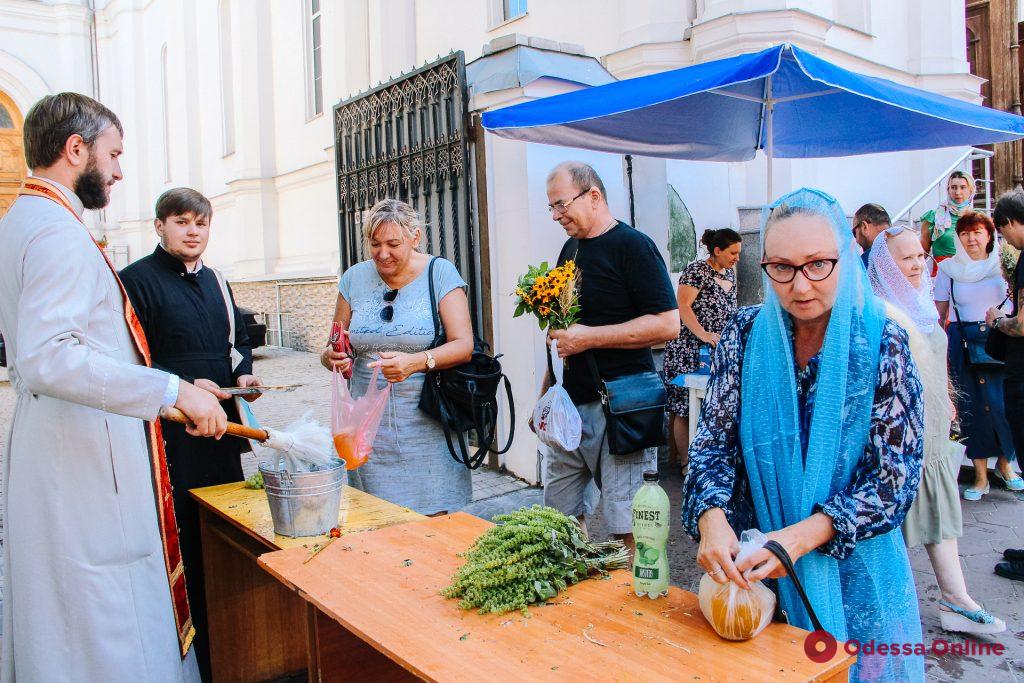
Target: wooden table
x,y
259,630
379,617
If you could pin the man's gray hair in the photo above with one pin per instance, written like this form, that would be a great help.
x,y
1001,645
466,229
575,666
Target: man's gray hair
x,y
583,176
55,118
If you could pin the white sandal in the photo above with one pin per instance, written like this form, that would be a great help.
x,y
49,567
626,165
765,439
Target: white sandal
x,y
960,620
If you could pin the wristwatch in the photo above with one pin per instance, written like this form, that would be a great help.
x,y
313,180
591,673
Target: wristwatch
x,y
995,323
430,361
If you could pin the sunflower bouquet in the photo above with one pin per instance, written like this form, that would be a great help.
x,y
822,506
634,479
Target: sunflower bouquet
x,y
551,294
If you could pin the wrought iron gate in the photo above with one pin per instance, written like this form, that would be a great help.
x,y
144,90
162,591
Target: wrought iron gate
x,y
409,139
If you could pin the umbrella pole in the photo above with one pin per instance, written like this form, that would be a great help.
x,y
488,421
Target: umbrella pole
x,y
770,113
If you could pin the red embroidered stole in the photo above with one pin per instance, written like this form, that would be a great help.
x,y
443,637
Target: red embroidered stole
x,y
38,187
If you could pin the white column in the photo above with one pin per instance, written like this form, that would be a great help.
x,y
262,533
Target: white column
x,y
253,164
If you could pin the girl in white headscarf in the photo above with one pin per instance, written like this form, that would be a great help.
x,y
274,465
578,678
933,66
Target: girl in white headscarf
x,y
898,275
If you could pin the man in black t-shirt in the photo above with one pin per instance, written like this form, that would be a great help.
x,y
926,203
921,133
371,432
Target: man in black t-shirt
x,y
628,305
1009,219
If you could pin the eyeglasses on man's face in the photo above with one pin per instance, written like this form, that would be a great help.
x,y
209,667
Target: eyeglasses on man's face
x,y
560,207
815,271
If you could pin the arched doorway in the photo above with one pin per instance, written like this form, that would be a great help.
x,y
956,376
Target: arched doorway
x,y
12,154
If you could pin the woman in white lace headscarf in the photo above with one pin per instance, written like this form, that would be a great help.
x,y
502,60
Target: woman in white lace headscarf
x,y
898,275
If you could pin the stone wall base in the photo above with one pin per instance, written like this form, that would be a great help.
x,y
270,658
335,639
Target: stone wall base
x,y
298,313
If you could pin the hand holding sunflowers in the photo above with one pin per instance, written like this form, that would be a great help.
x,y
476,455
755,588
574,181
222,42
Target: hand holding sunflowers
x,y
551,294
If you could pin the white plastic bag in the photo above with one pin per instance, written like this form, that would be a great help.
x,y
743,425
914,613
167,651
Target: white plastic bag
x,y
555,418
735,613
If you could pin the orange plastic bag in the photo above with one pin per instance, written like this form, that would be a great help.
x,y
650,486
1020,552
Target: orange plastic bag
x,y
735,613
355,421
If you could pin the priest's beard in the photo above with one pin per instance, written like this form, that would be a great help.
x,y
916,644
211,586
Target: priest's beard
x,y
92,188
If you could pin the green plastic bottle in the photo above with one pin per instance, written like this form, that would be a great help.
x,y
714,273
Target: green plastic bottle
x,y
650,532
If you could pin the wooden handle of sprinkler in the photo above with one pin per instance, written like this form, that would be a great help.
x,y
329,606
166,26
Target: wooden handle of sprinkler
x,y
234,429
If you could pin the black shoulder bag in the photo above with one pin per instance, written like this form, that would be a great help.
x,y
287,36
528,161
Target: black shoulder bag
x,y
977,341
634,409
465,397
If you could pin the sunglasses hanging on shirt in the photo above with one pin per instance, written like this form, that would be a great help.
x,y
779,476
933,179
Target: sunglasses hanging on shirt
x,y
387,314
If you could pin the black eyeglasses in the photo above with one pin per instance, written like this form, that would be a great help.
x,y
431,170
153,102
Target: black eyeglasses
x,y
387,314
815,271
562,206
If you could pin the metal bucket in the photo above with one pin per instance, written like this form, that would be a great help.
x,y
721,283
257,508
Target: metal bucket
x,y
304,503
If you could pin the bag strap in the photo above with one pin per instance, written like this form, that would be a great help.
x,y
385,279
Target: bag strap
x,y
776,549
595,374
433,301
959,318
236,356
551,367
511,415
462,454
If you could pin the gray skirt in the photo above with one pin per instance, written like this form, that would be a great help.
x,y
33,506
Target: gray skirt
x,y
410,464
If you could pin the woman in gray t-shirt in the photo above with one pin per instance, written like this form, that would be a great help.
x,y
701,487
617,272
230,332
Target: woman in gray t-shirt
x,y
384,303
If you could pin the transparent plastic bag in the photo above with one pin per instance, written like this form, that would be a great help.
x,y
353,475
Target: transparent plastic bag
x,y
354,421
556,419
735,613
311,442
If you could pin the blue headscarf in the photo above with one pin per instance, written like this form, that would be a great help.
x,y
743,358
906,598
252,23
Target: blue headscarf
x,y
787,483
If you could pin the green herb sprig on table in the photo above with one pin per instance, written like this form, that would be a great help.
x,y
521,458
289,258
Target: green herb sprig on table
x,y
528,557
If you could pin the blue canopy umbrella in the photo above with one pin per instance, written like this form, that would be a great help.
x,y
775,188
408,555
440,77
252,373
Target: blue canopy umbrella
x,y
782,100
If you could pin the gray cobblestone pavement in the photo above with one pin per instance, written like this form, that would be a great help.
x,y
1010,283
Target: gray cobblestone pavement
x,y
990,525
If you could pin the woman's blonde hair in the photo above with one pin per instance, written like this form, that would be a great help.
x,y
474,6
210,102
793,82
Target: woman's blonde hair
x,y
393,211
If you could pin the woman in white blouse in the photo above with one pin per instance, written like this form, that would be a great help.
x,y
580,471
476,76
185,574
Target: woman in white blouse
x,y
968,284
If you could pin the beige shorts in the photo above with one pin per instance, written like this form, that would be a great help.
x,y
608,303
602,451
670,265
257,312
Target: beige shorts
x,y
567,473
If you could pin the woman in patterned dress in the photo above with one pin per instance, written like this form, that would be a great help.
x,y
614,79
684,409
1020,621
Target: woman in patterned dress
x,y
812,431
384,304
707,301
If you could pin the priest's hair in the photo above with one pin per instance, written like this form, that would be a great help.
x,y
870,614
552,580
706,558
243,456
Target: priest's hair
x,y
55,118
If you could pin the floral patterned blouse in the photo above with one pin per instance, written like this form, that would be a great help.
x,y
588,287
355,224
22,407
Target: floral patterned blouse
x,y
887,476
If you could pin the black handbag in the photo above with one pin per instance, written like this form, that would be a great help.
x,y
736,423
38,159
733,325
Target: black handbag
x,y
634,409
465,397
978,342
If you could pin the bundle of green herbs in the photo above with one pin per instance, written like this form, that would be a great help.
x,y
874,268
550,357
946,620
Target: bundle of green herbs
x,y
528,557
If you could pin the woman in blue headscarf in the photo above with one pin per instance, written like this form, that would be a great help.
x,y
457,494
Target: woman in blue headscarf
x,y
812,431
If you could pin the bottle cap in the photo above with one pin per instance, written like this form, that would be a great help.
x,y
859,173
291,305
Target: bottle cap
x,y
651,475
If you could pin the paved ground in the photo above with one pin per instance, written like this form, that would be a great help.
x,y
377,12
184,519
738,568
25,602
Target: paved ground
x,y
990,525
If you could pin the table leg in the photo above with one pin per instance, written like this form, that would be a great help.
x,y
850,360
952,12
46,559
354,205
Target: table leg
x,y
258,628
342,656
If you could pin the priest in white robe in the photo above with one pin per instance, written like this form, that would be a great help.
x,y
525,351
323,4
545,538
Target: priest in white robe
x,y
93,586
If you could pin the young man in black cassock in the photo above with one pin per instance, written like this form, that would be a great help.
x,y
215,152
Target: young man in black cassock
x,y
184,307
